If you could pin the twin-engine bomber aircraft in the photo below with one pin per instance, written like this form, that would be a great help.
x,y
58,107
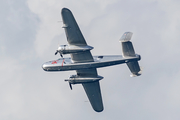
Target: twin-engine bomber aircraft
x,y
85,64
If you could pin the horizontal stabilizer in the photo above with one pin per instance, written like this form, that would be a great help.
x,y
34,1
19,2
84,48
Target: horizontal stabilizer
x,y
134,68
128,51
127,47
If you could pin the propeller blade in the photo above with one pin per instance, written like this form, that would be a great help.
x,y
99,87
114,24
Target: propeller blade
x,y
70,85
61,55
56,52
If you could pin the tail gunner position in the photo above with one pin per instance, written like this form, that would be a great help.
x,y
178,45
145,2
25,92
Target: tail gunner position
x,y
85,64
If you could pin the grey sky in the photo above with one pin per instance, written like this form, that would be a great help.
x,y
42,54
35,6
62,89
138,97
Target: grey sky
x,y
30,31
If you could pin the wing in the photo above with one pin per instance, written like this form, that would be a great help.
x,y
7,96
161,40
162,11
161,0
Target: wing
x,y
75,37
92,89
94,94
73,33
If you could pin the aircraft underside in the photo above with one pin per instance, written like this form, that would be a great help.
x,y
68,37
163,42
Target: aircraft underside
x,y
85,64
66,64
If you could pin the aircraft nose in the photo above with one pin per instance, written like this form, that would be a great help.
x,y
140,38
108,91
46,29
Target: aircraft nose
x,y
44,67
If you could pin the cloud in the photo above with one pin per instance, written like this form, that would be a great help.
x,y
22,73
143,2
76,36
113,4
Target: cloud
x,y
18,28
30,32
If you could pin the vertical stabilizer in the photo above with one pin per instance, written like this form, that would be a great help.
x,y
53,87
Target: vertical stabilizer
x,y
128,51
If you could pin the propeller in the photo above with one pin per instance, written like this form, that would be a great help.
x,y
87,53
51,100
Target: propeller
x,y
70,85
59,53
56,52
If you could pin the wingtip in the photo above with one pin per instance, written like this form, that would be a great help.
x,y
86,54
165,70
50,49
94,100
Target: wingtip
x,y
65,9
99,110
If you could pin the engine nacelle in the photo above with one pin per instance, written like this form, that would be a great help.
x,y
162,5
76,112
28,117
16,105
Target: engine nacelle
x,y
65,49
74,79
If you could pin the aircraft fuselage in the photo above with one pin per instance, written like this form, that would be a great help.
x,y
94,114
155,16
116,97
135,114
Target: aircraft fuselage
x,y
66,64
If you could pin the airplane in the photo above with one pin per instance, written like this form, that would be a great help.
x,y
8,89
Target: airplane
x,y
85,64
